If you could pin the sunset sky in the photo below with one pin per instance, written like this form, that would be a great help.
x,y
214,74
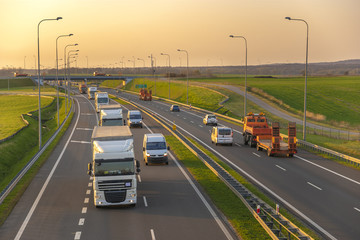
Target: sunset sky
x,y
107,30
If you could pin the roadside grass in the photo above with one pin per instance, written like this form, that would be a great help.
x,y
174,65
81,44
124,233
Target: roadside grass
x,y
112,83
255,190
118,100
17,151
198,96
10,201
224,199
12,107
15,83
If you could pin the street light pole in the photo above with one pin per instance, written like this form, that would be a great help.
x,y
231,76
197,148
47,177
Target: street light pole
x,y
57,78
69,45
187,75
306,66
24,63
153,68
38,46
169,70
68,72
232,36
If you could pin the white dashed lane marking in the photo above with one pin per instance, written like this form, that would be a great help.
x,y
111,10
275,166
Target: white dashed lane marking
x,y
84,210
313,185
280,167
81,221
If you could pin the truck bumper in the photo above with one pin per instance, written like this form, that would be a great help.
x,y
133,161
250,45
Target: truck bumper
x,y
115,198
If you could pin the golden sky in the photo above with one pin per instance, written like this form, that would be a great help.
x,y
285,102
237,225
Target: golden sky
x,y
109,31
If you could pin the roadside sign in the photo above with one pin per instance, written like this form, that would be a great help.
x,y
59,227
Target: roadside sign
x,y
141,86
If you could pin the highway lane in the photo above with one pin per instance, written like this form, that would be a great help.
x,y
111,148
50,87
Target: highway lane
x,y
168,206
328,193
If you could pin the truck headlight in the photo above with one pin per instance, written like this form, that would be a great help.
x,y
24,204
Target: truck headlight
x,y
165,154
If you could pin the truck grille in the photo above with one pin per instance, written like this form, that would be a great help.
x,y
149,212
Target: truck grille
x,y
112,185
115,196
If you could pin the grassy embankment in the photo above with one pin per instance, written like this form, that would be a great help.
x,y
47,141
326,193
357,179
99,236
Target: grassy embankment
x,y
16,152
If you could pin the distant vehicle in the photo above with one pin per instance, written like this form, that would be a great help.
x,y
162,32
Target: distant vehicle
x,y
101,98
222,135
82,88
91,92
257,133
111,115
134,118
16,74
174,108
98,74
113,166
145,95
210,119
155,148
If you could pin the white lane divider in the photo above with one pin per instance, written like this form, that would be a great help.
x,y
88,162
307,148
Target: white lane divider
x,y
84,210
145,202
74,141
77,235
152,234
90,184
86,200
201,126
313,185
280,167
139,178
256,154
87,114
357,209
192,121
237,144
88,192
85,129
81,221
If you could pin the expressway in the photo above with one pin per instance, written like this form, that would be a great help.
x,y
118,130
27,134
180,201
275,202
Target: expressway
x,y
58,204
325,194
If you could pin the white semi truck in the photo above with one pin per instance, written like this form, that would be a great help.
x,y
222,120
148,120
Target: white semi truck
x,y
101,98
113,166
111,115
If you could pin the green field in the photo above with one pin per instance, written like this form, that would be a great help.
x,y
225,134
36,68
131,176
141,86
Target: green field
x,y
12,107
15,83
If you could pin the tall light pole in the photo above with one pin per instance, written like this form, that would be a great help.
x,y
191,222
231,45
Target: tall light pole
x,y
24,63
69,45
57,77
38,47
187,75
69,83
169,70
140,59
232,36
153,66
306,66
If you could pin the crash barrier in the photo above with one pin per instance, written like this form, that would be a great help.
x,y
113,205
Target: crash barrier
x,y
24,170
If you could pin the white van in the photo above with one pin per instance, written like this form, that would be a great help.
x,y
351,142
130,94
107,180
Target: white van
x,y
155,149
222,135
134,118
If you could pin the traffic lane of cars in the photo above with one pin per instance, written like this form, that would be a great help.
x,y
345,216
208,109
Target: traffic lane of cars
x,y
287,190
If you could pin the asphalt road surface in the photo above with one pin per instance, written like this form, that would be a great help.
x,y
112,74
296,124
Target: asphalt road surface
x,y
322,192
58,204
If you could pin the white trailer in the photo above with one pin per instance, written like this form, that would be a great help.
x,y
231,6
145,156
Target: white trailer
x,y
111,115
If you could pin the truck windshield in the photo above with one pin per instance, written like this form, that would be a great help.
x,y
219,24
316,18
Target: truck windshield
x,y
102,100
113,168
112,122
155,145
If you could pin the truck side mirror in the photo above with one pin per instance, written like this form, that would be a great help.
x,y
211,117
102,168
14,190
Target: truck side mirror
x,y
137,164
124,122
168,148
143,149
99,122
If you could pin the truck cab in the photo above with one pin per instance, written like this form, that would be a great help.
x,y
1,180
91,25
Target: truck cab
x,y
111,115
113,166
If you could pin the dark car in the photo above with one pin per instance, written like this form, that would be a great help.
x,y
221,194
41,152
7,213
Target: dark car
x,y
174,108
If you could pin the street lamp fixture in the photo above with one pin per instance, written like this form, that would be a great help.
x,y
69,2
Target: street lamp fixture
x,y
69,45
306,67
245,95
38,46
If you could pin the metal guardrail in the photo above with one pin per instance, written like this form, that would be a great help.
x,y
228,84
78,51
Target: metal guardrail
x,y
276,225
24,170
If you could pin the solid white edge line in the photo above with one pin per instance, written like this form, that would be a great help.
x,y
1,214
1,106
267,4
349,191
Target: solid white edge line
x,y
338,174
207,205
256,181
36,202
280,167
145,202
313,185
152,234
77,235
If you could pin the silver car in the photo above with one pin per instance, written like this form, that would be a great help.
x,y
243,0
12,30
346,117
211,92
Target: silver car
x,y
210,119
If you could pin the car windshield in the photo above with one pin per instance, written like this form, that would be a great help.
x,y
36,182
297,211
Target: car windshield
x,y
175,107
224,131
211,117
102,100
112,122
155,145
112,168
135,116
